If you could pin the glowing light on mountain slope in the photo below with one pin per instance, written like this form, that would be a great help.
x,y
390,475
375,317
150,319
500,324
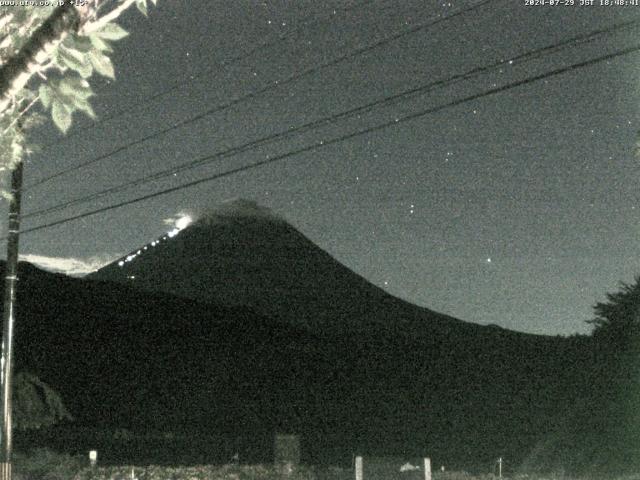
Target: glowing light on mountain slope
x,y
183,222
180,223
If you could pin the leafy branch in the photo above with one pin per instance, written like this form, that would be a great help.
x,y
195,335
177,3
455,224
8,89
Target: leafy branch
x,y
48,54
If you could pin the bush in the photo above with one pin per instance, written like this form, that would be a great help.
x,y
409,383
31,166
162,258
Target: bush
x,y
204,472
44,464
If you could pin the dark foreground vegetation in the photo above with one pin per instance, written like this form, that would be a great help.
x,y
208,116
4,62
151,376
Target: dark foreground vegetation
x,y
150,378
43,464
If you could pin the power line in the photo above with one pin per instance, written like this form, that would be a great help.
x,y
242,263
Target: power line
x,y
420,90
271,86
321,144
264,45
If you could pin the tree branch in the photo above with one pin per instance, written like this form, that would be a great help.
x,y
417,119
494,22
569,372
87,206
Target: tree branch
x,y
106,18
21,114
21,31
17,71
5,19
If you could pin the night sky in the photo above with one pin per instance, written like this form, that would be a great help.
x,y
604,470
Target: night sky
x,y
519,208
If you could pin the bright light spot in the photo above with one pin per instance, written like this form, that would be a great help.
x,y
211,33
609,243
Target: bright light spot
x,y
489,260
183,222
120,263
132,277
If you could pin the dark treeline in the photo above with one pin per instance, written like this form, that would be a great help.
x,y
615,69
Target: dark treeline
x,y
602,431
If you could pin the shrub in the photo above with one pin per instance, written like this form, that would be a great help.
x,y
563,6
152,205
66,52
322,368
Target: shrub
x,y
44,464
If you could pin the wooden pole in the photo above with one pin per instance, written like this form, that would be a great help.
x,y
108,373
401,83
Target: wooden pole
x,y
427,468
8,319
358,468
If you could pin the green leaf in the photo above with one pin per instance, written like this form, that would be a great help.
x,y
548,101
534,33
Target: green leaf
x,y
85,70
83,105
142,6
112,31
71,54
71,87
75,42
99,43
61,116
45,95
102,64
75,60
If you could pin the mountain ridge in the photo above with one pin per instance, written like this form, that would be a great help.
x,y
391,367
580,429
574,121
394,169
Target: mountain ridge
x,y
127,358
247,255
287,339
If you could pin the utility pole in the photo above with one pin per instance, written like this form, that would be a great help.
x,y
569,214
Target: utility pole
x,y
14,75
8,318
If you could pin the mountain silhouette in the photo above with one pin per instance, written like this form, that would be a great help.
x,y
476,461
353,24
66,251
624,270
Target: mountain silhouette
x,y
238,325
242,254
396,374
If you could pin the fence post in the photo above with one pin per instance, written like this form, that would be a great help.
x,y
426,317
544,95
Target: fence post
x,y
427,468
358,467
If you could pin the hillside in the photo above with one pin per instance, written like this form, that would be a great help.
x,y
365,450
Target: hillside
x,y
419,377
242,254
123,358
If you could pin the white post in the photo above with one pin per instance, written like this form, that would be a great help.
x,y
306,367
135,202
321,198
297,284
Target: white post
x,y
500,467
427,469
359,473
93,457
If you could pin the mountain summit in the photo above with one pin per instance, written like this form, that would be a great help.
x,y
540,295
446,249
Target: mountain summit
x,y
241,253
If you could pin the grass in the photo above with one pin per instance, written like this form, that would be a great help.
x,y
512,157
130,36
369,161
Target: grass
x,y
44,464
